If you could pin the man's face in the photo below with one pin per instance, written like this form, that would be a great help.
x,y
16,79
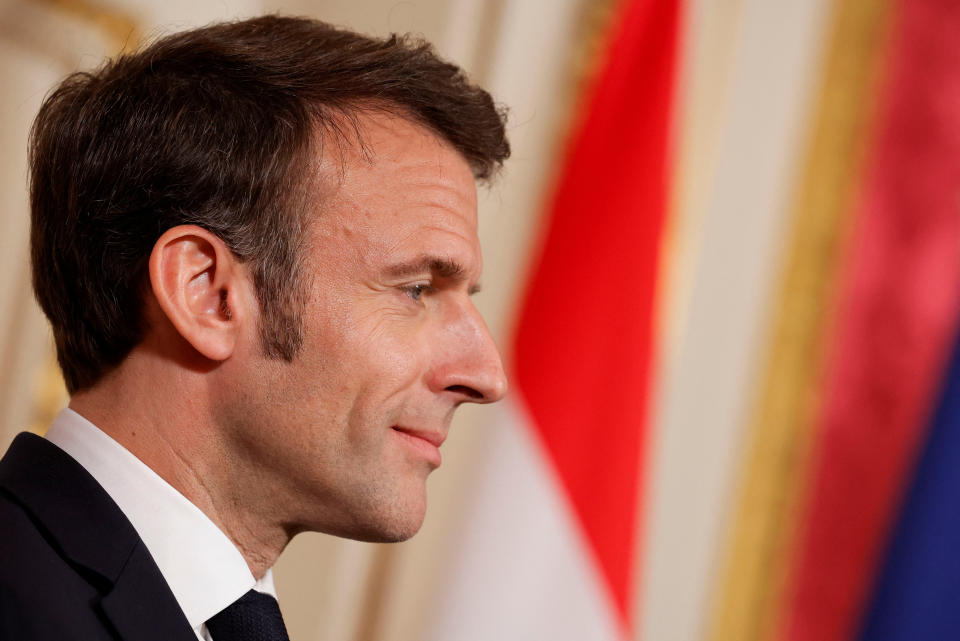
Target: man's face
x,y
346,435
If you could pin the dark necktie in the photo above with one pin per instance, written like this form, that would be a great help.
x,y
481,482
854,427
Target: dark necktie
x,y
253,617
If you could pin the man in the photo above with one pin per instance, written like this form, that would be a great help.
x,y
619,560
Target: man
x,y
256,244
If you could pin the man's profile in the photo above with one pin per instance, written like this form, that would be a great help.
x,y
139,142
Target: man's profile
x,y
256,244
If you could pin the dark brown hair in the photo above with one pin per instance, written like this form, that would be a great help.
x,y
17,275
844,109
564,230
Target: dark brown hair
x,y
216,127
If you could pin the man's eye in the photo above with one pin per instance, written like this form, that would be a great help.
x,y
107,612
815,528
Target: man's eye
x,y
415,291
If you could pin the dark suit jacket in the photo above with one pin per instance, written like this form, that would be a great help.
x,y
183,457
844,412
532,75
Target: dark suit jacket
x,y
71,564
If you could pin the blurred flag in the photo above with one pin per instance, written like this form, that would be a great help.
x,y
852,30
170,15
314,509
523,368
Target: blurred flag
x,y
917,592
548,549
897,314
838,532
889,326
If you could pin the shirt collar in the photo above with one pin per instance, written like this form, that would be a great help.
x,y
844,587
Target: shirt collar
x,y
203,568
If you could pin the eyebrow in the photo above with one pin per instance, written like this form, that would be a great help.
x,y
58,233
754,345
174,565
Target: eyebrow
x,y
438,266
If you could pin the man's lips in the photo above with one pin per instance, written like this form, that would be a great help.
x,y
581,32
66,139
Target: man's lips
x,y
426,442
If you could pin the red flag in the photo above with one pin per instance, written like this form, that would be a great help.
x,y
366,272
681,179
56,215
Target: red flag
x,y
583,348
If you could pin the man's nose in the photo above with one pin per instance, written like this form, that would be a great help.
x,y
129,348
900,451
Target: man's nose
x,y
470,366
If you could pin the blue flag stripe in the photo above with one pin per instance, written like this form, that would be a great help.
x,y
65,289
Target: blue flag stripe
x,y
917,596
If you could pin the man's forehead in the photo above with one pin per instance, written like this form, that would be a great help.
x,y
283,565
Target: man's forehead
x,y
366,138
388,157
397,185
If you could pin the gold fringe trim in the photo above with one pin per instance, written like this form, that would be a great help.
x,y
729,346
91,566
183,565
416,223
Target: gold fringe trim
x,y
51,395
751,587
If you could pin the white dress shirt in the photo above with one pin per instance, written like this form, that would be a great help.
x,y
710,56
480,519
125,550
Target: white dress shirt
x,y
203,568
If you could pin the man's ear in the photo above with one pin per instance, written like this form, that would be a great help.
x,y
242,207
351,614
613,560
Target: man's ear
x,y
201,287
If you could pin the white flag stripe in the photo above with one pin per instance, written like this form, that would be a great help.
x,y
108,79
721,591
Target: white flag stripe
x,y
522,569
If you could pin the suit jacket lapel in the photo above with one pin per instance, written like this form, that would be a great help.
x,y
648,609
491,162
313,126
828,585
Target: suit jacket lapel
x,y
92,532
140,610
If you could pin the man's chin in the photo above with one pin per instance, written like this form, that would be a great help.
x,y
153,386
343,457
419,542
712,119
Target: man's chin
x,y
388,524
381,532
397,526
386,536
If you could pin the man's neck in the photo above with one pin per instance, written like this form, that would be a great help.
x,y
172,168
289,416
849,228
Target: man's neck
x,y
176,439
